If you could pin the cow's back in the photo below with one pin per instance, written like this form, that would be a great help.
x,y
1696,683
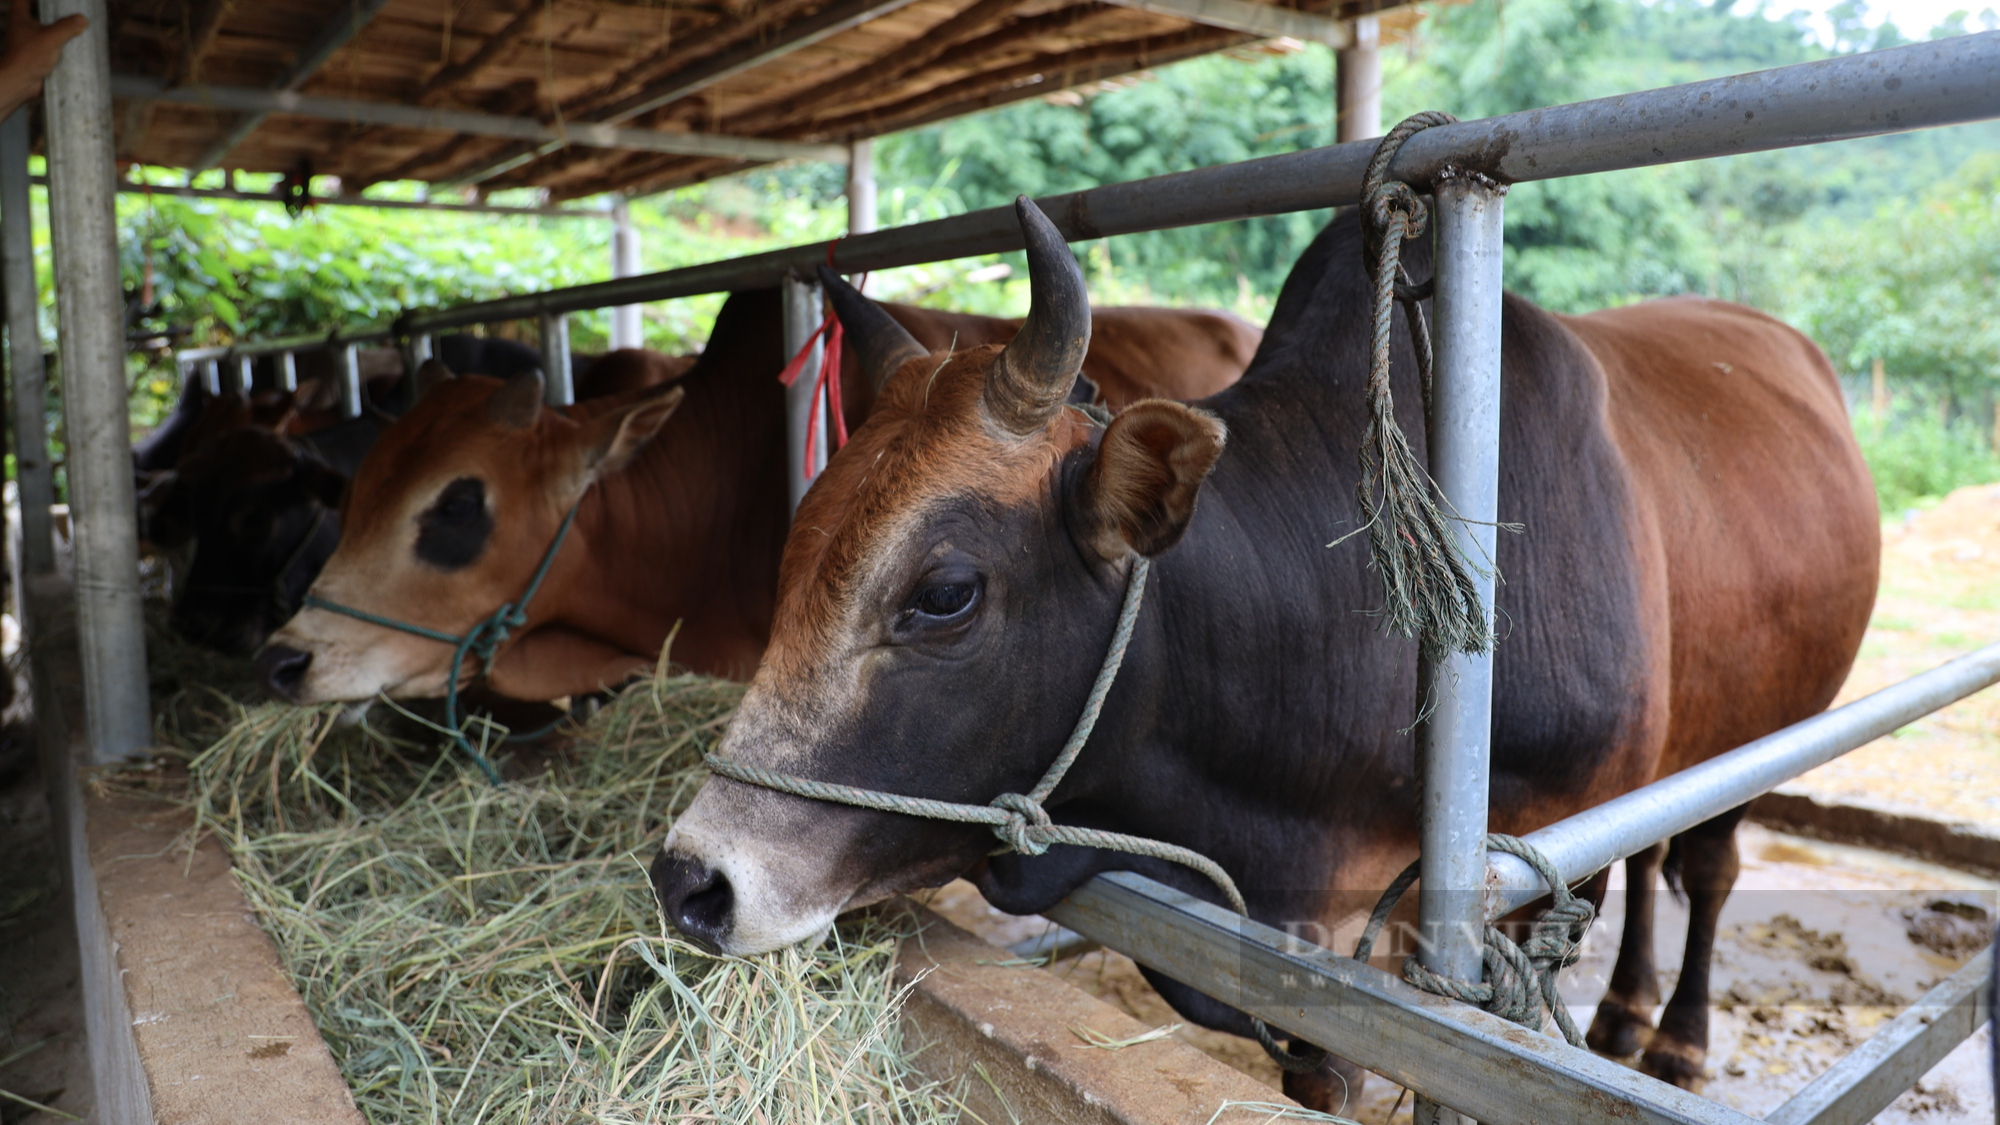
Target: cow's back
x,y
1755,505
1139,352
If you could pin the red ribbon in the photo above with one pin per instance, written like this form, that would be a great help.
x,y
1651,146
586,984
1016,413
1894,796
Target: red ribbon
x,y
826,387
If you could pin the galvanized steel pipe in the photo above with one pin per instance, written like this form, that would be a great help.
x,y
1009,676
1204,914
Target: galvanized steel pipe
x,y
1588,841
33,471
1455,743
801,301
90,309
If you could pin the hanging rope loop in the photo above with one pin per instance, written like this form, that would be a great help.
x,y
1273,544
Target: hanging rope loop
x,y
1522,980
1427,582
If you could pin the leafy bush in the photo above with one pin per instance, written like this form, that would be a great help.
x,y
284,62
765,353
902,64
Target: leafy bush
x,y
1916,455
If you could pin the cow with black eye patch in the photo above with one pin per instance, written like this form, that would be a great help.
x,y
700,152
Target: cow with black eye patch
x,y
449,517
1697,567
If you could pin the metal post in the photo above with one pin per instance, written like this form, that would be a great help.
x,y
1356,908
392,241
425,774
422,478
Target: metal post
x,y
1465,462
211,376
803,409
627,329
242,378
288,371
558,391
861,187
32,470
350,381
1358,83
90,310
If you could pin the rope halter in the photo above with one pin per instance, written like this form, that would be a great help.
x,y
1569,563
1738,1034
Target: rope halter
x,y
482,642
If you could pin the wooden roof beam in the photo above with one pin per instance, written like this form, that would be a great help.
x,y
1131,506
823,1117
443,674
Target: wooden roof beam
x,y
1264,20
590,135
828,22
311,57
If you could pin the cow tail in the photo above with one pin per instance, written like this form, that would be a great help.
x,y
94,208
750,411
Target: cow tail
x,y
1670,870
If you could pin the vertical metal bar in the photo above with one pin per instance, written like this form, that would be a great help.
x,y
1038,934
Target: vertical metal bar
x,y
802,399
422,347
91,314
558,391
627,329
350,381
1465,461
861,216
1358,83
211,376
288,371
33,472
241,377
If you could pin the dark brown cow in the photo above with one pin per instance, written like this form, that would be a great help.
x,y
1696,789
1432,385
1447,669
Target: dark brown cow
x,y
689,535
1697,567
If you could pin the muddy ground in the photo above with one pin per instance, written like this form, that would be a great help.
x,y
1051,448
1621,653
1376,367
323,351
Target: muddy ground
x,y
1939,598
1818,947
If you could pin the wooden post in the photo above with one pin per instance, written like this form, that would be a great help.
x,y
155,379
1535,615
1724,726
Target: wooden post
x,y
1881,390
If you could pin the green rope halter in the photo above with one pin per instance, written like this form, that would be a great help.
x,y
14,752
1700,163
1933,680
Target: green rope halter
x,y
1019,819
483,640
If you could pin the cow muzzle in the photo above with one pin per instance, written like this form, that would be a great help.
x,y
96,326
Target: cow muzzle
x,y
282,669
730,887
697,899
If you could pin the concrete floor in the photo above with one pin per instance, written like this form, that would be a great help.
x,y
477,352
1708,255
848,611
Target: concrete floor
x,y
41,1000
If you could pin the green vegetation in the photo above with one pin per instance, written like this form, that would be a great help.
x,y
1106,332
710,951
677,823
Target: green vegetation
x,y
1916,455
1886,248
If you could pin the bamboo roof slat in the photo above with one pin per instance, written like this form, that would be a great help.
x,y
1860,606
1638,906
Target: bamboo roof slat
x,y
562,62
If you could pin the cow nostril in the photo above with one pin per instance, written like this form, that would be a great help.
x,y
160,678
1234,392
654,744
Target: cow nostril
x,y
697,899
282,669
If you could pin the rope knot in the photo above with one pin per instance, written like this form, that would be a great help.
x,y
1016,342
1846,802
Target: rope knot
x,y
1026,823
1520,980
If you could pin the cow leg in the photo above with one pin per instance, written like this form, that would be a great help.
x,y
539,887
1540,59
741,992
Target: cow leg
x,y
1333,1088
1708,870
1625,1015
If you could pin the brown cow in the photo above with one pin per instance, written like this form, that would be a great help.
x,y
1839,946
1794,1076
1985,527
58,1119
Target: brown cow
x,y
689,534
1696,570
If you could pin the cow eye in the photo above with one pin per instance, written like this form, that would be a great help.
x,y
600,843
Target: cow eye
x,y
462,503
454,530
944,597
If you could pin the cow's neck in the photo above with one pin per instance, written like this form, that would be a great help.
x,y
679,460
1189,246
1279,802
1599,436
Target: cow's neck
x,y
687,534
1256,688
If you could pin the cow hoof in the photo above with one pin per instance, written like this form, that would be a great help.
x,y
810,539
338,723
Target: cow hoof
x,y
1618,1031
1678,1064
1333,1088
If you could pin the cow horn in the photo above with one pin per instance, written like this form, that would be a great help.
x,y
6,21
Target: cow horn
x,y
1034,373
882,345
518,402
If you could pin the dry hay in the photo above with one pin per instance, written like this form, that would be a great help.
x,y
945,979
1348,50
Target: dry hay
x,y
482,954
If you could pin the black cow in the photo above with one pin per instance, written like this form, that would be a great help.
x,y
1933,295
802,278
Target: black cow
x,y
1697,568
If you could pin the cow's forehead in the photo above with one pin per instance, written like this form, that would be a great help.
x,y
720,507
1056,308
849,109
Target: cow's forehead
x,y
447,434
927,444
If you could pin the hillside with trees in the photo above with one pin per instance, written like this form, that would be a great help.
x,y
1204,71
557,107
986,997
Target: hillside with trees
x,y
1883,249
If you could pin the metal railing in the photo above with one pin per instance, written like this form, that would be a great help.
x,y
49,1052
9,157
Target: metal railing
x,y
1350,1008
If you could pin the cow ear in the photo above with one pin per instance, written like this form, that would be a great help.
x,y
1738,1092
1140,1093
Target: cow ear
x,y
518,402
1139,493
430,375
615,438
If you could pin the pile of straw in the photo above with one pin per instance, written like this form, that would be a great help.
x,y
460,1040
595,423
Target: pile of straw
x,y
484,954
